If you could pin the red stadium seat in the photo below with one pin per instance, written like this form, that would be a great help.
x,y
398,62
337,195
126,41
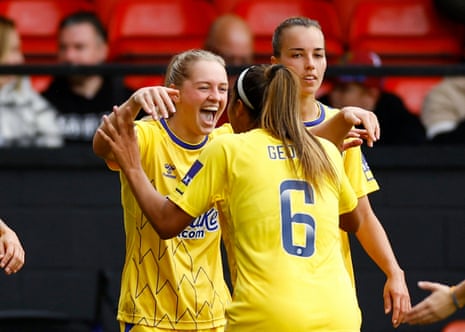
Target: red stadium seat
x,y
104,9
224,6
345,9
263,16
139,81
37,22
405,32
155,30
412,90
41,82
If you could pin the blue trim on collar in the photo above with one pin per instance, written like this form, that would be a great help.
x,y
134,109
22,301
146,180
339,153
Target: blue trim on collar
x,y
318,120
182,144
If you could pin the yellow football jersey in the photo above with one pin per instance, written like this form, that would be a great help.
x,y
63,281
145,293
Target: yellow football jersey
x,y
282,235
176,283
360,176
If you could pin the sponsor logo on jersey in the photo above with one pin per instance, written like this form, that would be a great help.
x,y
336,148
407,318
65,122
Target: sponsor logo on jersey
x,y
169,171
197,229
366,169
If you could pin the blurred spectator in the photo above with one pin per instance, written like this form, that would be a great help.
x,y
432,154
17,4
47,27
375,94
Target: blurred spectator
x,y
443,113
82,99
231,38
398,124
26,118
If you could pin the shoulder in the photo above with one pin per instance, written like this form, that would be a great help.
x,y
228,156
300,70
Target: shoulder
x,y
225,128
389,102
147,125
56,85
329,147
148,131
228,142
117,87
328,111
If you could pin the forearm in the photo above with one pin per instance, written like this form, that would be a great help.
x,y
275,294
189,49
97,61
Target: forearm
x,y
149,199
166,218
375,242
334,129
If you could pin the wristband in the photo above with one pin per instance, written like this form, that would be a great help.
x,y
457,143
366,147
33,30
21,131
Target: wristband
x,y
454,298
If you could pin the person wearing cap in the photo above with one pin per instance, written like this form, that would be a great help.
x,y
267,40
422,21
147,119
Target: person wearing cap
x,y
398,125
442,113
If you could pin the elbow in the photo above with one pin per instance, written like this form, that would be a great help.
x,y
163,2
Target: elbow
x,y
349,222
165,233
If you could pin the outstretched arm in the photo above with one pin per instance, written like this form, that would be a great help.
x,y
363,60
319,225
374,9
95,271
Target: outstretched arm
x,y
166,217
11,250
154,100
375,242
340,127
440,304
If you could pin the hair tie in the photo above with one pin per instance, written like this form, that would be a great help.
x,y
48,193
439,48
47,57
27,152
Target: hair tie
x,y
240,89
273,70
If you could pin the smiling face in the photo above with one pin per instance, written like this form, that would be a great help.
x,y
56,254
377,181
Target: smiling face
x,y
303,50
203,97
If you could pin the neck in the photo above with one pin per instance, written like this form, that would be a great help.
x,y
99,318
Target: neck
x,y
309,108
182,131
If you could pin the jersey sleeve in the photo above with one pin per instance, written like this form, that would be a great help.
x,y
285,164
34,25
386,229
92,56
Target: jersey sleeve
x,y
204,183
359,173
347,196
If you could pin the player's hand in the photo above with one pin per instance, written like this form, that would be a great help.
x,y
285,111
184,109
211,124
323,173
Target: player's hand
x,y
156,100
121,137
435,307
396,298
11,252
360,117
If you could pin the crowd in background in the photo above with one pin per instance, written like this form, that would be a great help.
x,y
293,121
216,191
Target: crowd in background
x,y
67,110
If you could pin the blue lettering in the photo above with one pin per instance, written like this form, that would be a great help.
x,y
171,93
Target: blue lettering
x,y
192,234
278,152
208,221
271,153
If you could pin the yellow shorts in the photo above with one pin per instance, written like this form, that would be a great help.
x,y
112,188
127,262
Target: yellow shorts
x,y
127,327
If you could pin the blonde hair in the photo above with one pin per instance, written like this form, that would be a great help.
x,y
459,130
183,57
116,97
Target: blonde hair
x,y
179,68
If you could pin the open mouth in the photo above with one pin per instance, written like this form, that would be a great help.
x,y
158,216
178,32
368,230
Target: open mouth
x,y
208,113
